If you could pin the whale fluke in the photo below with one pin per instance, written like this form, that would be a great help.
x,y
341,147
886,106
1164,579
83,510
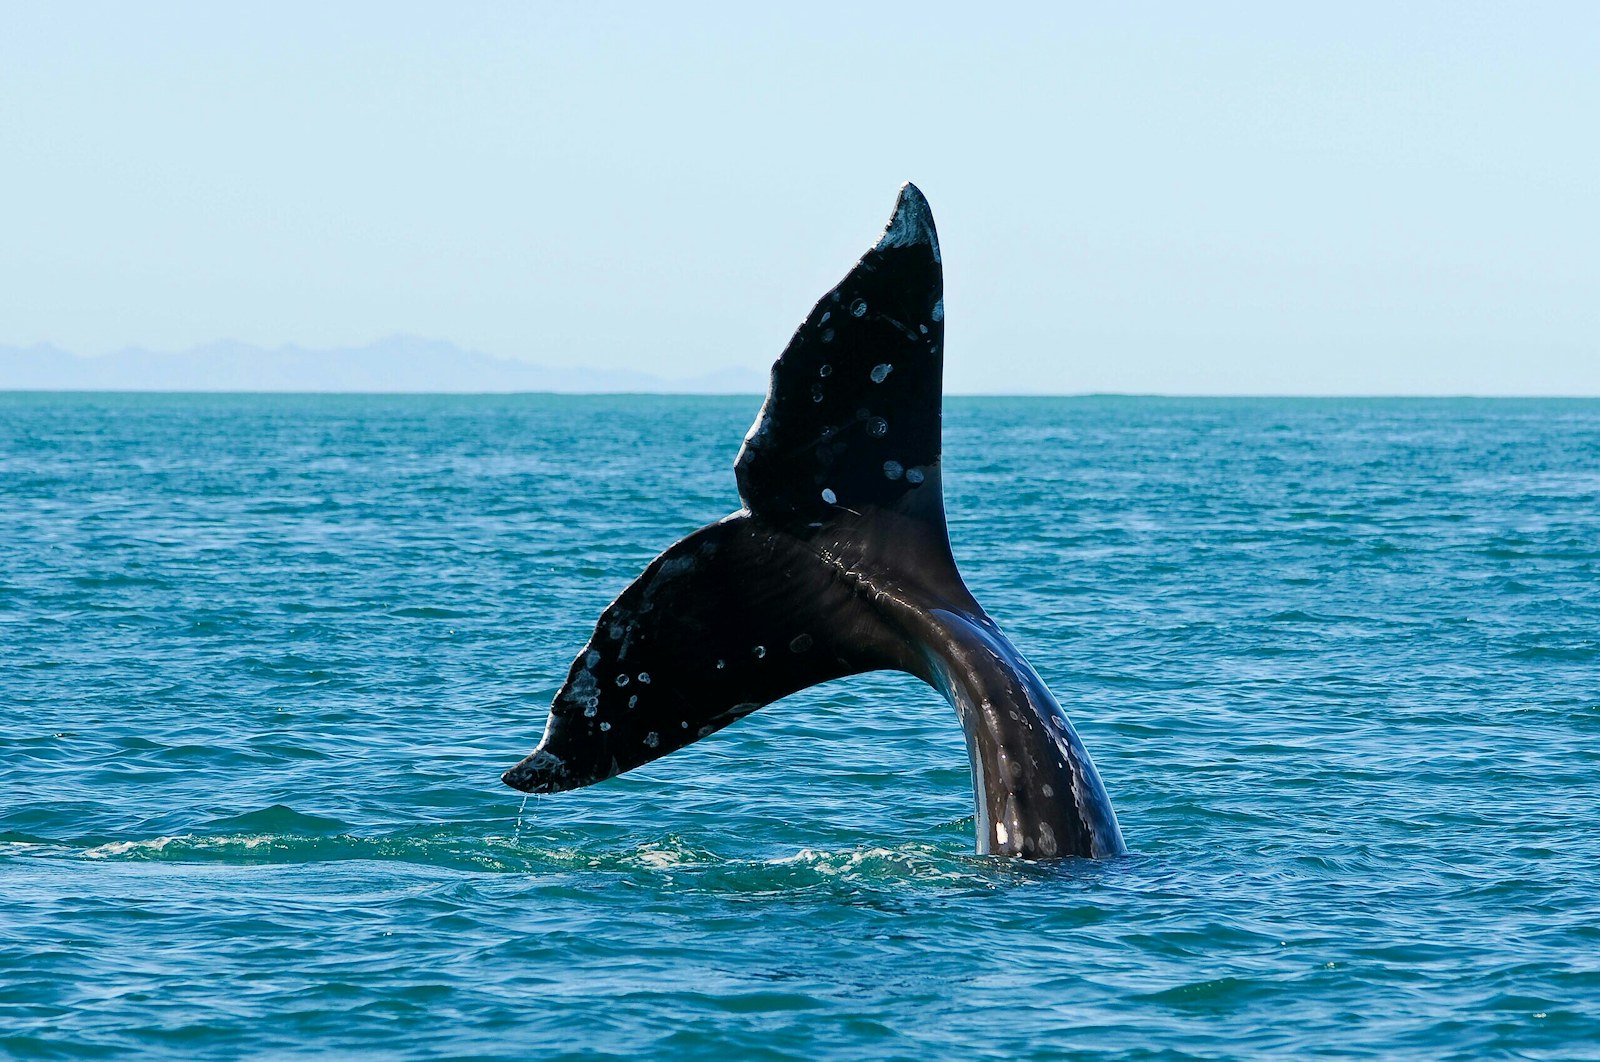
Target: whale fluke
x,y
838,563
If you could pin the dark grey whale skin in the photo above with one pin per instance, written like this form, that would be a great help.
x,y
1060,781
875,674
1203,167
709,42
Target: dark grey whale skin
x,y
839,563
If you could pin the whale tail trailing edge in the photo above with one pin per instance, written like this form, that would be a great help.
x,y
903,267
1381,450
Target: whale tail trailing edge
x,y
839,563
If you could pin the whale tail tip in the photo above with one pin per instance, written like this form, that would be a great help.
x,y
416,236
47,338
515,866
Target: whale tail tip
x,y
911,223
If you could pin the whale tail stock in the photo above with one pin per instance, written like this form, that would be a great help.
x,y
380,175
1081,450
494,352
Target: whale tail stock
x,y
839,563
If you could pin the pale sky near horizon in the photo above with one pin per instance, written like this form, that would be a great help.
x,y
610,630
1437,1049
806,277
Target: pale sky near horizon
x,y
1175,198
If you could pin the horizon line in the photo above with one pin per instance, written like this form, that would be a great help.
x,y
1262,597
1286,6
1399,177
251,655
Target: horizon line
x,y
1220,395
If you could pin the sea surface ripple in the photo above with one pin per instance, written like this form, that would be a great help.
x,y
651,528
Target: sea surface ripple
x,y
265,657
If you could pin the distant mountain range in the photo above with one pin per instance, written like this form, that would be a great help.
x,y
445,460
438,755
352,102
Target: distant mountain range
x,y
399,363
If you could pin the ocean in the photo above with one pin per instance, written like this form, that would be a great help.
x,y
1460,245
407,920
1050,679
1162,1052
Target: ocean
x,y
264,657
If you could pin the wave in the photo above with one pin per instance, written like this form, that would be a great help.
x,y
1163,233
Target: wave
x,y
279,835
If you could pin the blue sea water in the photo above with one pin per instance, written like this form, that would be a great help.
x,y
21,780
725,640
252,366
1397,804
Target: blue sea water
x,y
263,659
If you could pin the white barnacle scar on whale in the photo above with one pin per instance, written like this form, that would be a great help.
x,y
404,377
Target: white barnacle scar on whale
x,y
840,560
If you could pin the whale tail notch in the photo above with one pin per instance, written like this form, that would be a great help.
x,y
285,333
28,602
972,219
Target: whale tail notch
x,y
839,563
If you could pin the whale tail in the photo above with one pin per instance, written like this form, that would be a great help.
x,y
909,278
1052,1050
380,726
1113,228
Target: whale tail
x,y
839,563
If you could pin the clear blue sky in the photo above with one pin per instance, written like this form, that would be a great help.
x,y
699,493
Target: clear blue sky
x,y
1184,198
